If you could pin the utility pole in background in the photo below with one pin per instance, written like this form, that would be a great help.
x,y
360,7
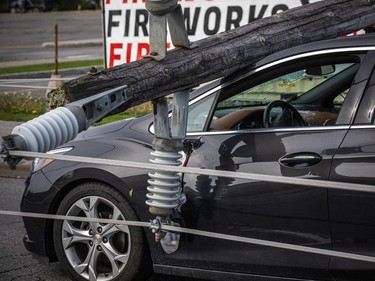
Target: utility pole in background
x,y
55,77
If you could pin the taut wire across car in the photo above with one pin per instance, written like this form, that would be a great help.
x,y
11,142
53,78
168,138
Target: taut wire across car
x,y
303,112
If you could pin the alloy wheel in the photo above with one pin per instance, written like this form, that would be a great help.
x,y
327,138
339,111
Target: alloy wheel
x,y
96,251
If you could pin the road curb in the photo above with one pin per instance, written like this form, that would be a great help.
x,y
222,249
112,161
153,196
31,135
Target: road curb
x,y
74,43
47,74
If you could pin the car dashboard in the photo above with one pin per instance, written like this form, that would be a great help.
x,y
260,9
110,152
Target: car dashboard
x,y
252,118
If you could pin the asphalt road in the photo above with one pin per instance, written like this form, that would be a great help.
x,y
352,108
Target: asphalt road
x,y
22,36
15,262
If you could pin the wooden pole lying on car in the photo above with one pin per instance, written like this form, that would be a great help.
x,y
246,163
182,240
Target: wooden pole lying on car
x,y
222,54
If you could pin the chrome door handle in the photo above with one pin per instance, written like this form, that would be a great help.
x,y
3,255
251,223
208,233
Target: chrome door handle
x,y
300,160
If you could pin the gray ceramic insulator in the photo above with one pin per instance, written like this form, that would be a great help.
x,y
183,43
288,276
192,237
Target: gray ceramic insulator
x,y
164,186
49,130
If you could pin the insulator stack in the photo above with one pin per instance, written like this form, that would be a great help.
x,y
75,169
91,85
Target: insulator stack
x,y
49,130
164,186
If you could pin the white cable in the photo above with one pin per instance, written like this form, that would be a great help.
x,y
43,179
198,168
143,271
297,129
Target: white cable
x,y
209,234
218,173
209,172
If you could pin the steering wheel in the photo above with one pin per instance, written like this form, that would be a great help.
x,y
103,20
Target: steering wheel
x,y
288,117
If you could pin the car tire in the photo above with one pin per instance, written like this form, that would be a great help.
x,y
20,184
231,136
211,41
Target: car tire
x,y
93,251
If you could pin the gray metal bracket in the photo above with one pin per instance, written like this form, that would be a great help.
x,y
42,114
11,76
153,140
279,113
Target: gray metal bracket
x,y
165,195
161,12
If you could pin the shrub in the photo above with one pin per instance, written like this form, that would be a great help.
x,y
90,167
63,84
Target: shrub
x,y
22,103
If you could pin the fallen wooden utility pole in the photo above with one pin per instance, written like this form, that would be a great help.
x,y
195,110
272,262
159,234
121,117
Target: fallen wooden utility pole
x,y
224,53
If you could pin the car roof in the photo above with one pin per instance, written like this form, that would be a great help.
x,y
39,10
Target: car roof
x,y
366,40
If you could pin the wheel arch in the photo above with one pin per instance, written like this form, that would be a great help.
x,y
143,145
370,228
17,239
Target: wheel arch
x,y
86,175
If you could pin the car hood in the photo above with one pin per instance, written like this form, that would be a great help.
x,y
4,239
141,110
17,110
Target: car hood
x,y
104,130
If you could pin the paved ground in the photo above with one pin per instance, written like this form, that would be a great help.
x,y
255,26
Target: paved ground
x,y
22,39
23,36
23,169
15,262
7,126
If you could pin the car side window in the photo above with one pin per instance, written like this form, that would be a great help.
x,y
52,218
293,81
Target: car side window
x,y
338,101
310,95
198,113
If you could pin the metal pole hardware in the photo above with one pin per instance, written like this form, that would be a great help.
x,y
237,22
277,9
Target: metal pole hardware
x,y
165,193
161,12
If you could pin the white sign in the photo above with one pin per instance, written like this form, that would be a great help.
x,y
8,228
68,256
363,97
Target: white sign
x,y
126,22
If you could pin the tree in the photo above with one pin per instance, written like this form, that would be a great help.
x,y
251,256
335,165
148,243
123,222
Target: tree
x,y
222,54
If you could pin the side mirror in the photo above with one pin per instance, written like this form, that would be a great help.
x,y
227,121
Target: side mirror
x,y
320,70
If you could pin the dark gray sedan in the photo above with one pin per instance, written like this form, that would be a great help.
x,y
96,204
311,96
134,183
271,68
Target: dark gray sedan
x,y
305,112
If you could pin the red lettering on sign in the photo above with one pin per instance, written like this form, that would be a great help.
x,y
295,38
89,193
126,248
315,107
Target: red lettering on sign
x,y
129,52
112,55
123,1
143,50
133,1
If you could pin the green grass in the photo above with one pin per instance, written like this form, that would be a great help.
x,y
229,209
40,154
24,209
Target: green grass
x,y
50,66
136,111
25,109
22,117
117,117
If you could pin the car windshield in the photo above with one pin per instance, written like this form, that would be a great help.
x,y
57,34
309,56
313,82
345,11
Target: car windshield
x,y
314,87
287,87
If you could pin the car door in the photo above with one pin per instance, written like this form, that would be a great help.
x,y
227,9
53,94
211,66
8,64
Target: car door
x,y
352,214
270,211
